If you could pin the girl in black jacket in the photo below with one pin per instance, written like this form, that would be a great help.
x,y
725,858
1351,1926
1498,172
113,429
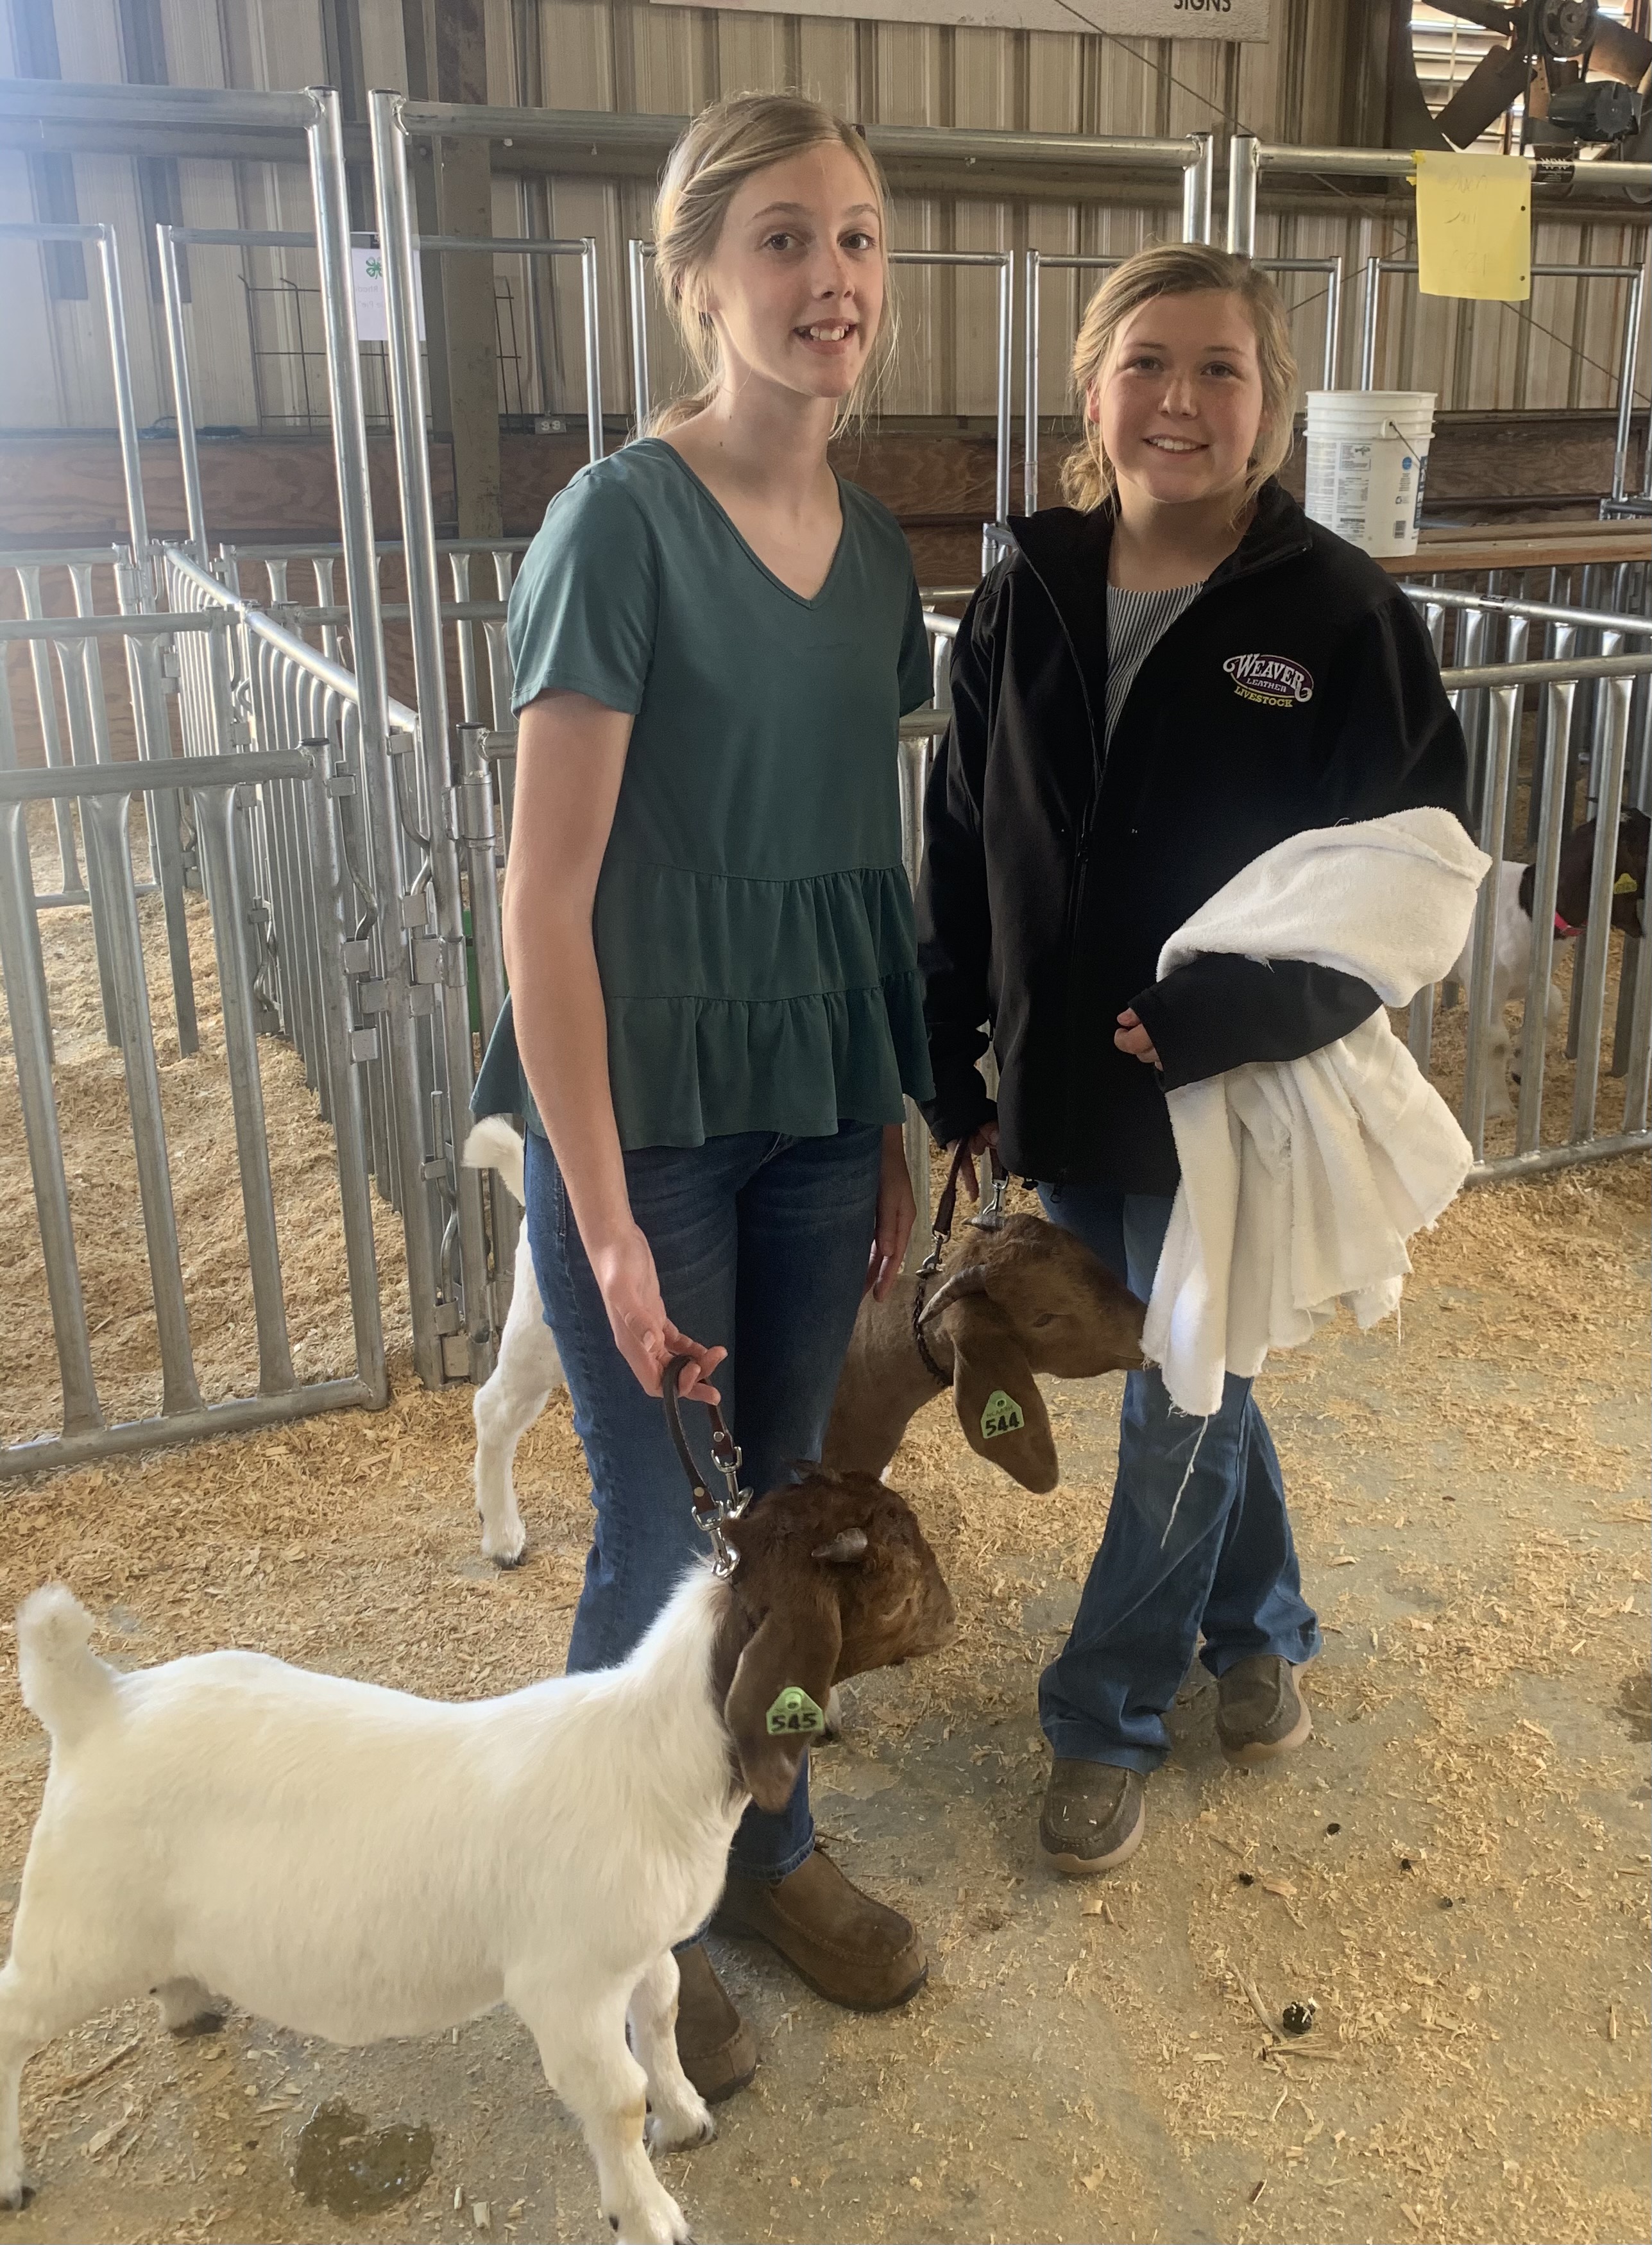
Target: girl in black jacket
x,y
1155,686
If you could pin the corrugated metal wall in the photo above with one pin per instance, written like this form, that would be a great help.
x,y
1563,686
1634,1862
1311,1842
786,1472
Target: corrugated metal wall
x,y
255,325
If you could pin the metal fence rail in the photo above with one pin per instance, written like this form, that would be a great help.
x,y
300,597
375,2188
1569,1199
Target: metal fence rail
x,y
257,687
214,785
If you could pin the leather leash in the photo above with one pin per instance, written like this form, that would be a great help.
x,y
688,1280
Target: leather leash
x,y
991,1219
711,1513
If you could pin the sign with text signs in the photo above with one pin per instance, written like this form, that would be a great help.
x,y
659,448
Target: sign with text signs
x,y
1143,19
372,317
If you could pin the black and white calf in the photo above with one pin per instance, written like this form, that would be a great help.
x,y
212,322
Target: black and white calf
x,y
1512,933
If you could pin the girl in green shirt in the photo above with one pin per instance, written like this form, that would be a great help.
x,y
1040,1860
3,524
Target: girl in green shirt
x,y
715,1008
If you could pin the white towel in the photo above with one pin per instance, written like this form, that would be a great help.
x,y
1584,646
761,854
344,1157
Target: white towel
x,y
1302,1180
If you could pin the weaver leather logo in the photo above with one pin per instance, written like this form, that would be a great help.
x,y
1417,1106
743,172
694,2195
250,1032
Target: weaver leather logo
x,y
1273,679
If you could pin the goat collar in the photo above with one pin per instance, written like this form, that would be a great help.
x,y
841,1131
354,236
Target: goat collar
x,y
926,1353
991,1219
1564,928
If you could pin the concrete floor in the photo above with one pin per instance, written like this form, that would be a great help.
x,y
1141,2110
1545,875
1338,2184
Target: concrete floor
x,y
1455,1869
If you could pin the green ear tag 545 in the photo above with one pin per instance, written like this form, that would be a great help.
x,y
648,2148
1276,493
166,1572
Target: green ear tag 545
x,y
794,1711
1003,1416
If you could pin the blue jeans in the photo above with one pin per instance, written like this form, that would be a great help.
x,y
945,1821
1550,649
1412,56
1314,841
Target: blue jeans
x,y
761,1243
1198,1540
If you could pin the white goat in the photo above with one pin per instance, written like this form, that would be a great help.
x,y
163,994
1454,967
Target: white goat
x,y
354,1862
529,1371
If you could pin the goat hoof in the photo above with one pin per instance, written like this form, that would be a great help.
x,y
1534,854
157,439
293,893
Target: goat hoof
x,y
14,2201
204,2023
508,1562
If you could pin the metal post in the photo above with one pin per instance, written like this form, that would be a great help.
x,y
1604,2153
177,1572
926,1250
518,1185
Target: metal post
x,y
637,256
1505,701
1333,321
28,1007
590,302
348,1121
1241,195
429,671
1006,317
1030,384
46,704
163,806
1368,323
1626,381
125,411
1595,947
1197,180
183,395
326,148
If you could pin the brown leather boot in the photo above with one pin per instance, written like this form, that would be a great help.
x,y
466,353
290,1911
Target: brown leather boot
x,y
848,1947
718,2050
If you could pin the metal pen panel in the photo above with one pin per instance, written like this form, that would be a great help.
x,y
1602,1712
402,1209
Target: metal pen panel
x,y
29,1011
334,919
1497,779
637,256
212,808
1198,183
1376,267
164,811
109,862
1591,968
431,743
72,678
1035,262
1558,698
405,1110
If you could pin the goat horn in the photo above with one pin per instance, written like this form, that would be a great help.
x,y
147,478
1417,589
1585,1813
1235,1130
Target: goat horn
x,y
849,1544
971,1280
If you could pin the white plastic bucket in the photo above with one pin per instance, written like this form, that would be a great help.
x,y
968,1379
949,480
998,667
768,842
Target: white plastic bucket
x,y
1367,463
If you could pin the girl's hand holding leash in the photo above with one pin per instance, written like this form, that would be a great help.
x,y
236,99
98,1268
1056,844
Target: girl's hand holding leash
x,y
981,1142
643,1334
896,1213
1131,1037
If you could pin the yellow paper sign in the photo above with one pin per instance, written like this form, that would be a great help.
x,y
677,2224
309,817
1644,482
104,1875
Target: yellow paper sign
x,y
1474,225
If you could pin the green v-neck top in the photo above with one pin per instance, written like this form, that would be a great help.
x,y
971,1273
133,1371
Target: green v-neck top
x,y
752,919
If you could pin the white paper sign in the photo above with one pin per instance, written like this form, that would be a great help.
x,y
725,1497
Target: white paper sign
x,y
1148,19
372,312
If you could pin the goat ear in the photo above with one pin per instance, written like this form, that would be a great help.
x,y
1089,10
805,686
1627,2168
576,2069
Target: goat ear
x,y
996,1397
796,1648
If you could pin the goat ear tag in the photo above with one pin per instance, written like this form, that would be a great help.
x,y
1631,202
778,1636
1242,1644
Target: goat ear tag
x,y
1003,1416
1626,885
794,1711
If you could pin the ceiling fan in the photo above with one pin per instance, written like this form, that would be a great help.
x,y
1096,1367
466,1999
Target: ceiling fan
x,y
1585,79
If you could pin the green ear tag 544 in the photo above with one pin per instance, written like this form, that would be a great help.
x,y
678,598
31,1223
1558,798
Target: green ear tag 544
x,y
1003,1416
794,1711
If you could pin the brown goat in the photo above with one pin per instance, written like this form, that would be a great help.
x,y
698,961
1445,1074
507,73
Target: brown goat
x,y
1026,1297
835,1578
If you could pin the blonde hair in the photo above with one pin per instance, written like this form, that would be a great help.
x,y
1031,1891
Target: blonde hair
x,y
1181,268
727,144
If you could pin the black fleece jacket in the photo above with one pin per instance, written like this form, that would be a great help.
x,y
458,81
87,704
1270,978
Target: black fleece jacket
x,y
1298,690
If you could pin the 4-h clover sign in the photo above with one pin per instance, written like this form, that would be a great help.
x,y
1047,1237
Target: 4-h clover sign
x,y
372,315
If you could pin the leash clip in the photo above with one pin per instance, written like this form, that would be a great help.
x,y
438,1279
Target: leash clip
x,y
712,1513
990,1216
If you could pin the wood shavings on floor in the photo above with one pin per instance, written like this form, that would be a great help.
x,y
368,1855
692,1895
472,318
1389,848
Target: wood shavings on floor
x,y
1455,1871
